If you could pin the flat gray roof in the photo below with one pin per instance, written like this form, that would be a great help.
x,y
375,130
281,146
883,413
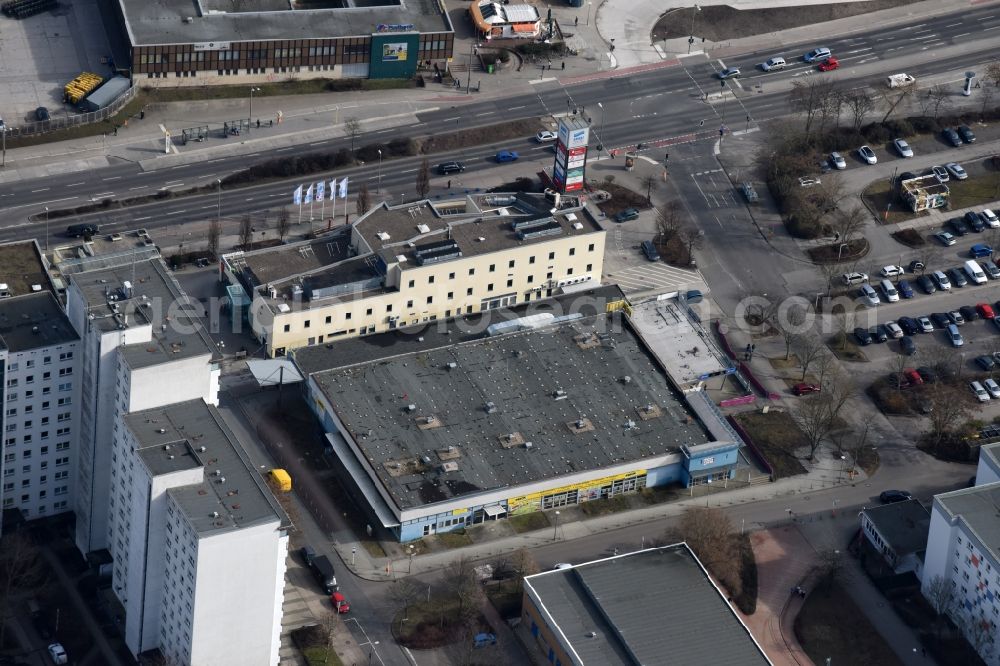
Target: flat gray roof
x,y
22,267
34,321
668,331
978,508
277,263
904,525
645,607
152,22
156,299
560,388
197,436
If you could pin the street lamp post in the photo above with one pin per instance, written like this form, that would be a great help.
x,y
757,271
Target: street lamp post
x,y
218,205
843,461
250,119
46,228
473,47
590,8
694,13
380,171
601,138
3,131
555,526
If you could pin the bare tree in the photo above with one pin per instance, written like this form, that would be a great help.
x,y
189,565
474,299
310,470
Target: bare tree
x,y
364,201
830,568
897,364
524,564
692,238
790,327
669,218
948,411
649,181
847,223
986,95
831,103
809,349
353,128
424,179
859,103
939,99
760,310
892,99
993,72
825,365
283,224
809,98
20,569
710,535
246,233
214,232
404,592
463,584
819,414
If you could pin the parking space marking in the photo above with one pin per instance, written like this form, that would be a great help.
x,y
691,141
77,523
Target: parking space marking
x,y
653,276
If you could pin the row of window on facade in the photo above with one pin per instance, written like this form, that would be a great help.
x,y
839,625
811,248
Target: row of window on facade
x,y
41,510
233,55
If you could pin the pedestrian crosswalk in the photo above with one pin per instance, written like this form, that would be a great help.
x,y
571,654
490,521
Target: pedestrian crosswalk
x,y
653,277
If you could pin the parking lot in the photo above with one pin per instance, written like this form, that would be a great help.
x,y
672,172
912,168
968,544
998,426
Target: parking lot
x,y
42,53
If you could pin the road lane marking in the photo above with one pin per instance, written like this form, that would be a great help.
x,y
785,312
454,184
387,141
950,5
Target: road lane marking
x,y
112,178
74,184
140,219
176,212
44,189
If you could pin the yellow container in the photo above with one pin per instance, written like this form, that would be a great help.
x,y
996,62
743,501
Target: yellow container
x,y
281,479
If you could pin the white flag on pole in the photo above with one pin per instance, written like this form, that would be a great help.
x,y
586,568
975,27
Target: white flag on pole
x,y
343,189
333,189
297,195
321,191
309,195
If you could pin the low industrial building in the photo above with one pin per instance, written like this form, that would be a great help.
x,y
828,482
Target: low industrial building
x,y
963,563
213,42
924,193
409,264
898,532
653,606
480,419
502,20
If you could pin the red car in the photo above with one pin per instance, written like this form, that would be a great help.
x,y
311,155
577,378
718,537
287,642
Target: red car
x,y
829,64
339,602
985,310
913,377
805,389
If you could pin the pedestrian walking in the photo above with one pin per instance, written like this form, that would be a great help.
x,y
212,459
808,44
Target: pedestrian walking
x,y
449,184
576,20
258,123
564,64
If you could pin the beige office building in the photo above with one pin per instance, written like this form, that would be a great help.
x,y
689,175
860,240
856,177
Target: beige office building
x,y
397,266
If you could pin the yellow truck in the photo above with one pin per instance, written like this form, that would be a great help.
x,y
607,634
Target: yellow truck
x,y
280,479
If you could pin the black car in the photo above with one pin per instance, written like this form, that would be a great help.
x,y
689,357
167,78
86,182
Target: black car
x,y
909,325
907,346
951,136
446,168
626,215
927,374
41,114
926,284
986,362
862,336
968,136
969,313
880,333
941,319
957,276
975,222
890,496
81,230
958,226
916,266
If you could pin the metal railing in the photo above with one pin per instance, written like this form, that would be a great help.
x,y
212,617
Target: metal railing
x,y
43,126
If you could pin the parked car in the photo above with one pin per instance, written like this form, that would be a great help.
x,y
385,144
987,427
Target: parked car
x,y
862,335
990,269
855,278
992,388
889,291
951,136
975,222
829,65
916,266
927,374
308,554
626,215
891,271
925,324
907,346
940,173
837,161
879,333
985,310
730,73
904,288
941,319
806,389
980,250
908,324
544,136
926,284
772,64
968,136
817,54
954,336
977,390
58,654
941,280
969,313
991,219
483,640
895,332
890,496
956,170
957,277
956,318
986,362
945,238
867,154
506,156
868,296
649,250
958,226
902,148
339,602
446,168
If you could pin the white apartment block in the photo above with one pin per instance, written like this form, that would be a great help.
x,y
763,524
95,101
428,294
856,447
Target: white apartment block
x,y
962,550
142,348
205,541
988,470
39,372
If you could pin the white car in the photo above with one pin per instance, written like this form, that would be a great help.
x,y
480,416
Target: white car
x,y
771,64
562,565
868,296
892,271
867,154
808,181
992,387
902,148
837,161
940,173
545,136
990,218
956,170
979,392
58,654
895,332
730,73
817,54
855,278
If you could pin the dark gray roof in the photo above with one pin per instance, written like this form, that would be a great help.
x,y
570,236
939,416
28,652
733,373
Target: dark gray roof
x,y
241,500
646,607
34,321
444,333
163,21
979,509
543,385
22,267
155,299
903,525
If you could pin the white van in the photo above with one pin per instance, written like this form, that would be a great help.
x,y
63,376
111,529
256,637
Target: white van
x,y
889,289
975,272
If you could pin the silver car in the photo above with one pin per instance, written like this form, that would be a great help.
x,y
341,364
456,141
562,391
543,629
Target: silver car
x,y
956,170
821,53
771,64
868,296
902,148
837,161
940,173
867,154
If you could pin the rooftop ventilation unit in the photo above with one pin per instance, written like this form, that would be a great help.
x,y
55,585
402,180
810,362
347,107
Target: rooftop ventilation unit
x,y
432,253
528,445
382,236
36,288
411,408
423,228
451,365
560,395
490,408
